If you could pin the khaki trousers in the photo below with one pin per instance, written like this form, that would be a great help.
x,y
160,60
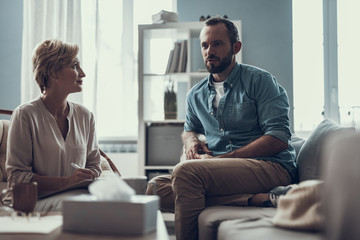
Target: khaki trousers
x,y
196,184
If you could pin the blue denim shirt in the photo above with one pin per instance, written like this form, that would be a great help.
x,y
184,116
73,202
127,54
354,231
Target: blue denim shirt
x,y
253,105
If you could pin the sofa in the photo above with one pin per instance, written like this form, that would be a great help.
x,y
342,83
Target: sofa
x,y
233,222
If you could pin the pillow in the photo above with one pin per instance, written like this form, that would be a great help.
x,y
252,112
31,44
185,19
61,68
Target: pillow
x,y
310,155
297,143
300,208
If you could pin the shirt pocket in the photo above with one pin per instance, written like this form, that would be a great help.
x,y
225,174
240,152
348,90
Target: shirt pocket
x,y
79,155
242,116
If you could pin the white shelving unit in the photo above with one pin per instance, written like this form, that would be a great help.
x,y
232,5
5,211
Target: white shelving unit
x,y
155,43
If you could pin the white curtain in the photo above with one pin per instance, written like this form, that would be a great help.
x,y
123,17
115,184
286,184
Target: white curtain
x,y
105,33
47,19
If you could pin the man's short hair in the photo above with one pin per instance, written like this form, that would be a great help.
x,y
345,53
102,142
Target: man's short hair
x,y
232,29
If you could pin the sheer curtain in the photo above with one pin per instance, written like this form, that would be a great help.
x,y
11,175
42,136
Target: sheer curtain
x,y
106,32
47,19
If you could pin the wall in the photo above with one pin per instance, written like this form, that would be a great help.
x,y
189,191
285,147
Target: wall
x,y
266,37
266,32
11,23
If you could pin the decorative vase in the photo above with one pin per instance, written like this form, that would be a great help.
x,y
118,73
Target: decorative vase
x,y
170,105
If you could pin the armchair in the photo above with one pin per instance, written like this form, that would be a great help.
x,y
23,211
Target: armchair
x,y
4,124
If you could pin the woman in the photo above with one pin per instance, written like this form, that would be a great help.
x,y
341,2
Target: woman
x,y
50,133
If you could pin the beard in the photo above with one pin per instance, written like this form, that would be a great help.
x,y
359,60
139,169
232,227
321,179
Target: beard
x,y
224,63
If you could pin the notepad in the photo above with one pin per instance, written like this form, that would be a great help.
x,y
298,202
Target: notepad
x,y
82,184
42,225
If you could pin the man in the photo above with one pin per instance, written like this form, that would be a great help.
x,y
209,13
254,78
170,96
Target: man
x,y
243,113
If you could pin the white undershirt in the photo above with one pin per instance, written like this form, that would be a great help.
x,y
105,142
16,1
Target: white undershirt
x,y
219,88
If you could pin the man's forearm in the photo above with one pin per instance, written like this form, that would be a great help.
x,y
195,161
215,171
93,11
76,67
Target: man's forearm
x,y
188,135
261,147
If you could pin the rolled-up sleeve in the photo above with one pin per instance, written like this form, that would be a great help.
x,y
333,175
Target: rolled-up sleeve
x,y
192,122
273,107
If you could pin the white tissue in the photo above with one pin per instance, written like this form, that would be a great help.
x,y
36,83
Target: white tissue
x,y
112,187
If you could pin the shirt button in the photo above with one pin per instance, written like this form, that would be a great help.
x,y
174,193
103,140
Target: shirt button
x,y
212,113
221,129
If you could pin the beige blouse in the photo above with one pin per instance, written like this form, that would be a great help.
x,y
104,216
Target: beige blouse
x,y
36,145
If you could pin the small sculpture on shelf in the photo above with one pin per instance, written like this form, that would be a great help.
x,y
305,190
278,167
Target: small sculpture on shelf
x,y
170,105
203,18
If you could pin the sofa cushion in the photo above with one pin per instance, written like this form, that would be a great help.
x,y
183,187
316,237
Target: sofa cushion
x,y
310,154
260,228
297,143
210,218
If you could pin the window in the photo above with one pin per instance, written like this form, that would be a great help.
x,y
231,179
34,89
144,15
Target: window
x,y
348,61
325,51
308,65
110,57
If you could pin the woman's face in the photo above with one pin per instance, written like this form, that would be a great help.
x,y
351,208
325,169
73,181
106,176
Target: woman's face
x,y
70,77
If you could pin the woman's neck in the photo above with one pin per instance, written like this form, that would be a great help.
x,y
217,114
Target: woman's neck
x,y
55,105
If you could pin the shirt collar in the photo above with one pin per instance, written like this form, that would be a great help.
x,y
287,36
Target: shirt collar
x,y
230,79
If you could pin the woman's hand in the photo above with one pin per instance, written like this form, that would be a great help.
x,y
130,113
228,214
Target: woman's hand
x,y
82,174
49,184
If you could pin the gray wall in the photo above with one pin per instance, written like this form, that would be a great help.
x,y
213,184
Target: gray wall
x,y
11,23
266,32
266,37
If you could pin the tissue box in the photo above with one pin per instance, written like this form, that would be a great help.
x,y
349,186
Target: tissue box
x,y
85,214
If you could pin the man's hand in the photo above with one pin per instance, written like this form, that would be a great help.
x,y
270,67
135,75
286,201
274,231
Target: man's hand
x,y
194,148
205,156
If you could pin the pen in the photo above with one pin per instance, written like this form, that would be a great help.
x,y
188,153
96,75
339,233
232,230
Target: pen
x,y
75,165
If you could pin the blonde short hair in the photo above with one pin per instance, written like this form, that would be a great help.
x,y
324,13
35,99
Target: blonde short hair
x,y
49,58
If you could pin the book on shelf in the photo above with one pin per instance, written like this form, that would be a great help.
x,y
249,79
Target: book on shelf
x,y
177,58
164,16
182,57
169,61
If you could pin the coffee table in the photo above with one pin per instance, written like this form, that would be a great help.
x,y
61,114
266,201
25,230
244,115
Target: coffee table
x,y
58,234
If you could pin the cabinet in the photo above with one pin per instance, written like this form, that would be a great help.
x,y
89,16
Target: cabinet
x,y
159,141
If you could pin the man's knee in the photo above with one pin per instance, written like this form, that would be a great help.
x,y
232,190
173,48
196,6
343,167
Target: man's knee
x,y
184,169
187,175
158,184
161,186
151,186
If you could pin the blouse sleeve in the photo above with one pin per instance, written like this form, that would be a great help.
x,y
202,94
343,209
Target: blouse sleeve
x,y
19,159
93,153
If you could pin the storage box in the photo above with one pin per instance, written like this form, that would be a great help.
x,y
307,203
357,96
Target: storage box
x,y
163,144
85,214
